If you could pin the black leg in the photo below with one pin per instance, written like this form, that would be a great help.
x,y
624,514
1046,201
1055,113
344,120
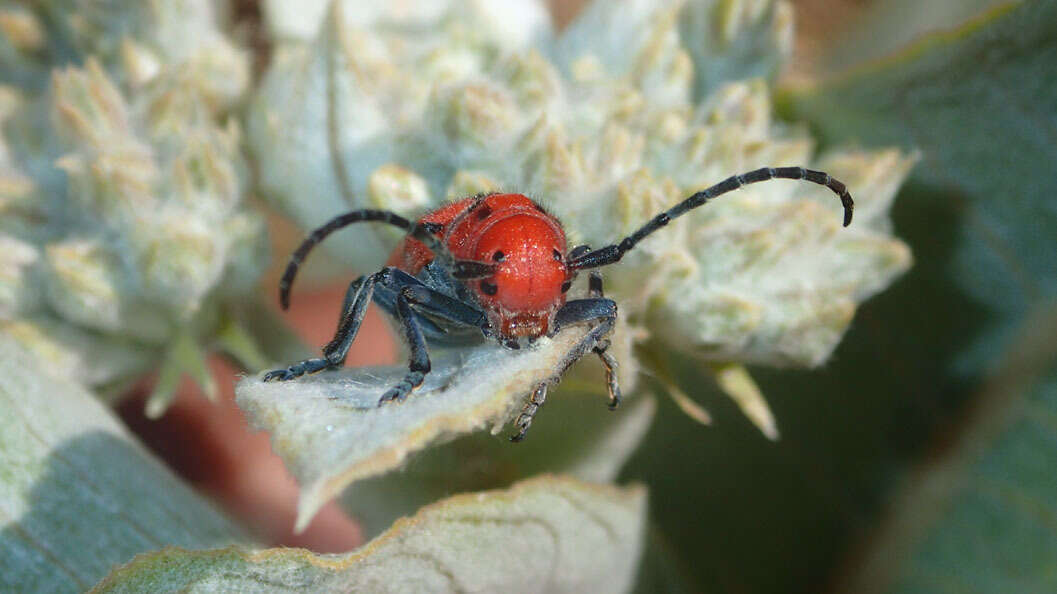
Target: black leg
x,y
350,295
357,297
353,309
297,369
589,310
594,288
428,300
594,285
419,364
579,311
423,298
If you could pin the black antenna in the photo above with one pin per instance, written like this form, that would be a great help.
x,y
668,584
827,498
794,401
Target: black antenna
x,y
613,253
423,232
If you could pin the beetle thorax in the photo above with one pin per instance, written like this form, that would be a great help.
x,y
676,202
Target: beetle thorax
x,y
527,247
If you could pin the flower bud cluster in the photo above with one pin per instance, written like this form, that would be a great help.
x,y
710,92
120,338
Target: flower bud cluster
x,y
632,108
121,182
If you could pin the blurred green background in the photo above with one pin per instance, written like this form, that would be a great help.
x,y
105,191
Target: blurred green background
x,y
919,459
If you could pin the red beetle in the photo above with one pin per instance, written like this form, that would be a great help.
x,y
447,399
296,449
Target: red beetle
x,y
494,266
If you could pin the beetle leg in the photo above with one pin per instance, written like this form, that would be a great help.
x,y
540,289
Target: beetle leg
x,y
524,420
600,310
430,301
425,299
357,297
411,293
419,364
353,311
594,287
590,310
609,363
297,369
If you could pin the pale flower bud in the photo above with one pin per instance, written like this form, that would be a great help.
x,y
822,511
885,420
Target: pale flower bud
x,y
19,293
392,187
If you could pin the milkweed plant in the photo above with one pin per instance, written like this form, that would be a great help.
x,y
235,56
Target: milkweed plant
x,y
140,152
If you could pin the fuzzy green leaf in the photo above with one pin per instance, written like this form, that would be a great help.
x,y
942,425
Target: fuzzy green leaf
x,y
549,534
77,494
330,431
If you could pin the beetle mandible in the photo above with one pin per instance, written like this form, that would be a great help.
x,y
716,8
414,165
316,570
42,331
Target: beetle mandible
x,y
495,267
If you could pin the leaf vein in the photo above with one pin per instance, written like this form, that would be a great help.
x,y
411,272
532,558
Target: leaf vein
x,y
439,565
17,528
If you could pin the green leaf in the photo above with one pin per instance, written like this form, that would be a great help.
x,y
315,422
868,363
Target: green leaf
x,y
235,340
981,514
330,431
550,534
980,101
77,494
183,356
885,27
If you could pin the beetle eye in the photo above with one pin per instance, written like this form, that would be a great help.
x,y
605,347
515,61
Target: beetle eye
x,y
557,255
566,285
489,288
498,256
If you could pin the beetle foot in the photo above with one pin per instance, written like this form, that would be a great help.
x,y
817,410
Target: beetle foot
x,y
283,375
532,405
400,391
297,370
